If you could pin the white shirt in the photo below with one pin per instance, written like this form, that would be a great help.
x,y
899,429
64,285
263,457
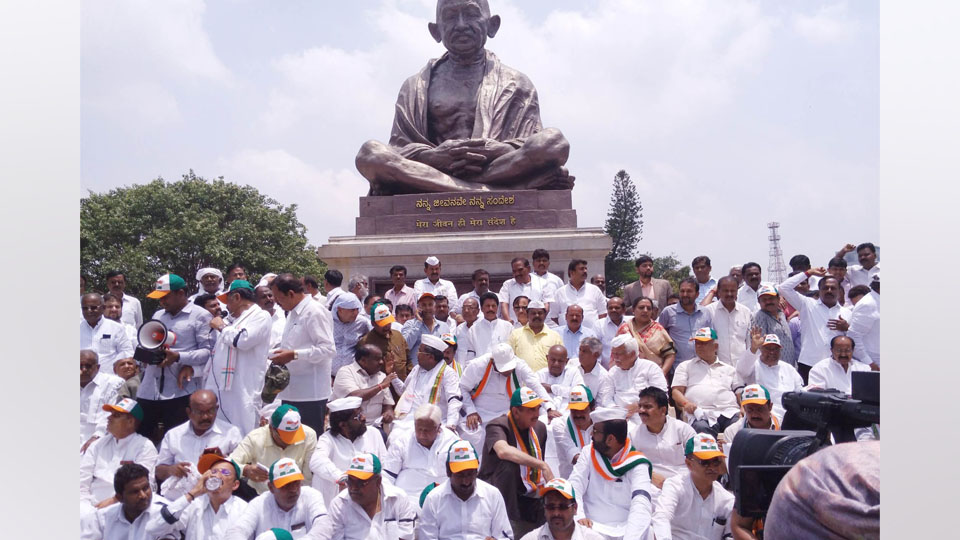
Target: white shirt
x,y
589,297
278,321
110,524
263,514
485,334
569,440
628,384
494,401
411,466
553,283
607,330
309,331
441,287
108,339
623,504
857,275
397,518
130,312
445,516
331,297
683,514
195,519
535,290
777,380
828,373
732,329
664,449
579,533
353,377
709,386
865,329
473,294
598,381
560,385
332,457
814,314
181,443
100,391
102,459
417,388
748,297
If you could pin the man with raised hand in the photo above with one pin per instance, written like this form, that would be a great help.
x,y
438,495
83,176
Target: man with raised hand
x,y
464,506
612,480
761,364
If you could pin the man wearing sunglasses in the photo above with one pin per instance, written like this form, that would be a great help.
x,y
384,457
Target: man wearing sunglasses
x,y
560,507
694,504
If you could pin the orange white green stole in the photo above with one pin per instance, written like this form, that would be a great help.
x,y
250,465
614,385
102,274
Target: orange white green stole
x,y
486,375
579,437
532,477
629,458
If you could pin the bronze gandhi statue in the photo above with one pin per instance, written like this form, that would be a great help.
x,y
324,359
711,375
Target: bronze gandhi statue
x,y
466,122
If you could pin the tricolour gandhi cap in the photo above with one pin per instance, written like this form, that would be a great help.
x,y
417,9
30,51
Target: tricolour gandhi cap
x,y
767,288
275,534
561,486
525,397
449,339
234,285
462,456
705,334
286,420
381,316
166,284
283,471
755,393
703,446
771,339
126,405
580,397
363,466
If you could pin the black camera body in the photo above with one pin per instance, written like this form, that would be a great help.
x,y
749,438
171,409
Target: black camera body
x,y
759,458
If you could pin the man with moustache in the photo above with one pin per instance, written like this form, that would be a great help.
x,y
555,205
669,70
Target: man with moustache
x,y
757,411
560,509
771,319
747,294
490,329
572,431
682,319
731,320
835,372
761,364
820,319
660,436
435,285
647,286
129,519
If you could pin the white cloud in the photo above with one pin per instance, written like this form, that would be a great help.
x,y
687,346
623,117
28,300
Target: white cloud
x,y
828,25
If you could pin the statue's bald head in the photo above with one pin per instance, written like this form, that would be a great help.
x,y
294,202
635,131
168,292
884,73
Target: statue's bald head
x,y
482,4
463,26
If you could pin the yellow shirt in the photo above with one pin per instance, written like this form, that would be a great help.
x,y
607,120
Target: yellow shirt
x,y
533,347
258,447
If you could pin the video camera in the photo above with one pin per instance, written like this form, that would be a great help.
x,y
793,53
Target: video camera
x,y
153,338
760,458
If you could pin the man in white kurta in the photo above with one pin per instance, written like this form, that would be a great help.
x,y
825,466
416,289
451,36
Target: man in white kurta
x,y
97,389
594,375
268,303
489,329
101,335
612,481
239,363
817,317
660,436
348,435
431,381
435,285
731,320
288,505
761,365
693,504
836,371
558,378
572,431
417,457
630,374
349,514
705,387
487,385
128,518
121,444
464,507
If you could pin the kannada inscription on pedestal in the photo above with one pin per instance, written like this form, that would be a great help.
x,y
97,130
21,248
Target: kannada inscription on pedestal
x,y
426,213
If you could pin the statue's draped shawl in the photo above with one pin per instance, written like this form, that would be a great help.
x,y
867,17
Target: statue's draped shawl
x,y
507,108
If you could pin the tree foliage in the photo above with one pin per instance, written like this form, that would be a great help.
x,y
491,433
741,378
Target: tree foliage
x,y
669,268
625,226
180,227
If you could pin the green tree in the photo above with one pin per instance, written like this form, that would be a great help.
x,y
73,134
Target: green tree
x,y
180,227
669,268
625,226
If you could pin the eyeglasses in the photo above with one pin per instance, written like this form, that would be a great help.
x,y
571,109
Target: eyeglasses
x,y
715,462
558,507
519,308
90,308
354,481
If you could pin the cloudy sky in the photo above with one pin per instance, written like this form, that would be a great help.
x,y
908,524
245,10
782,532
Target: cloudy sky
x,y
727,115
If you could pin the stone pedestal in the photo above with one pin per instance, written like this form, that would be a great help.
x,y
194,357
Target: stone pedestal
x,y
466,231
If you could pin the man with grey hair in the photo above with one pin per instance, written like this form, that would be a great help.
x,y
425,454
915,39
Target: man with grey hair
x,y
595,376
359,286
631,374
418,457
97,388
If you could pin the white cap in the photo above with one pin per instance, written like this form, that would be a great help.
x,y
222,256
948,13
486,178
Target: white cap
x,y
432,261
535,304
602,414
503,357
265,280
431,340
344,404
204,271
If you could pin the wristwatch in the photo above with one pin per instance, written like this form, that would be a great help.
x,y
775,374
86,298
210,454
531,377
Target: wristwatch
x,y
295,355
